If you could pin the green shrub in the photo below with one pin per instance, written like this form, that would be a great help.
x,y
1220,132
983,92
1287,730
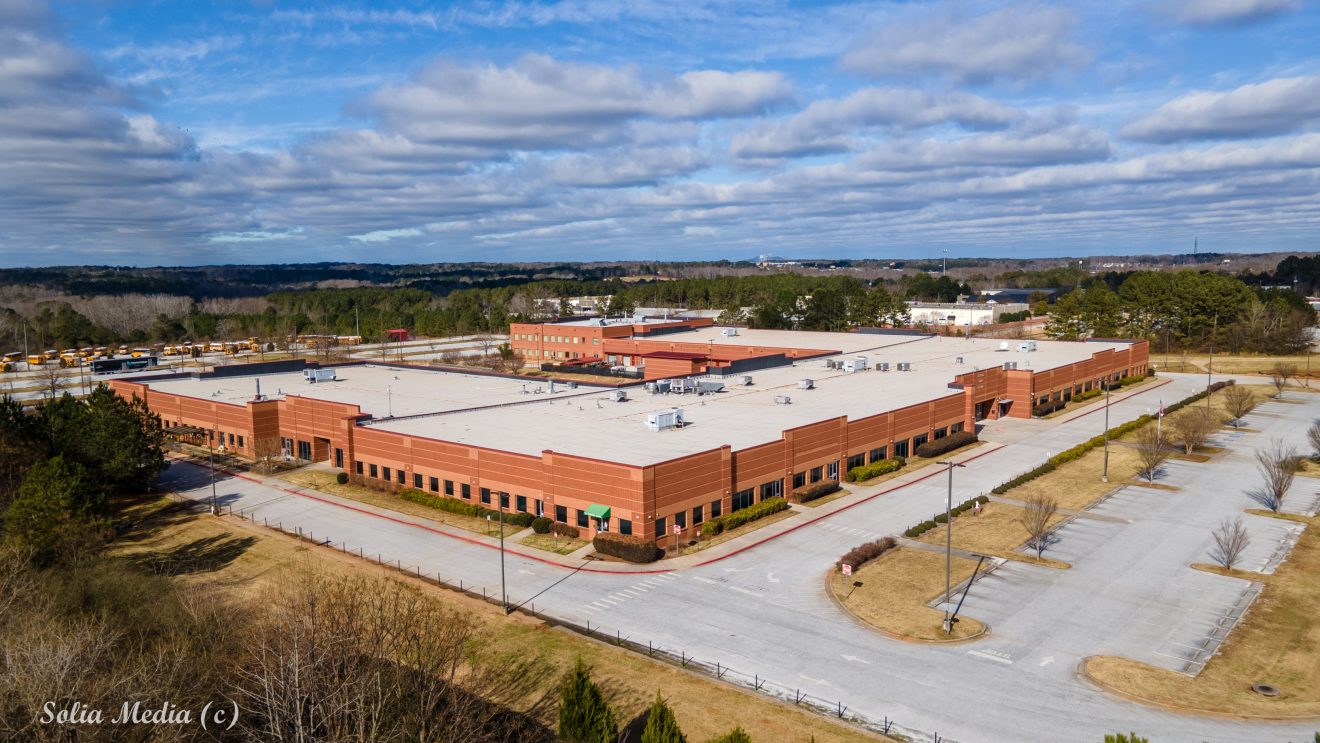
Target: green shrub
x,y
453,505
584,716
1134,738
625,547
738,735
661,725
1047,408
875,469
864,553
565,530
342,478
812,492
947,444
941,518
743,516
541,525
919,529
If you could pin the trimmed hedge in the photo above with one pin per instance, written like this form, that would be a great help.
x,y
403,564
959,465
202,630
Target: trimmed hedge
x,y
453,505
812,492
1076,452
625,547
875,469
1047,408
958,510
342,478
565,530
864,553
541,525
946,444
743,516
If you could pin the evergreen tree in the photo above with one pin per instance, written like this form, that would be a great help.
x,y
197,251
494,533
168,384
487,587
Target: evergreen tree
x,y
661,725
1128,738
55,511
119,442
584,717
1065,321
737,735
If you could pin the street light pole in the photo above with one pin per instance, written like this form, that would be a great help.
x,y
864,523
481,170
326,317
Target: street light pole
x,y
1104,476
210,440
504,591
1210,363
948,548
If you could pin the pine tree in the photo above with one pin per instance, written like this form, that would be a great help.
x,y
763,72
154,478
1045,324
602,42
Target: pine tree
x,y
737,735
661,726
584,717
1125,738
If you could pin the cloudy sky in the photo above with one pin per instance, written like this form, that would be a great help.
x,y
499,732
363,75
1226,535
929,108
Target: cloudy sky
x,y
189,133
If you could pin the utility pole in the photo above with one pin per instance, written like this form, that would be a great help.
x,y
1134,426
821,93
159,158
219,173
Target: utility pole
x,y
946,262
25,346
1104,476
948,549
210,441
357,322
1210,363
504,591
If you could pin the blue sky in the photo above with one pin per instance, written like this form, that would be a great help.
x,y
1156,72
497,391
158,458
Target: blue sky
x,y
193,133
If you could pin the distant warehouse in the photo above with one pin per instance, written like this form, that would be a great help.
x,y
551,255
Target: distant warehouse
x,y
718,419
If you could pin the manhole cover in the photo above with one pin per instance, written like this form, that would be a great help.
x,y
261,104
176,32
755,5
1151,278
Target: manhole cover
x,y
1265,690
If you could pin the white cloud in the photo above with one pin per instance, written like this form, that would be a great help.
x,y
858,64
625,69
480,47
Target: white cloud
x,y
1259,109
384,236
831,125
1227,12
540,103
1019,42
256,236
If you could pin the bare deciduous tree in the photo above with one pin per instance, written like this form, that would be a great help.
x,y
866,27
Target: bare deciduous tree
x,y
1191,428
1152,453
1280,373
1035,519
1277,464
1238,401
52,380
1231,540
1313,433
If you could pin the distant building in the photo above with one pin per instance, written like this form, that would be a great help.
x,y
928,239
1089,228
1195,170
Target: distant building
x,y
1003,296
960,314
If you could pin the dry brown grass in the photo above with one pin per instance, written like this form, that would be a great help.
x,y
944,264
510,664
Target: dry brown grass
x,y
1278,643
1234,364
996,531
325,482
896,589
552,543
727,534
704,707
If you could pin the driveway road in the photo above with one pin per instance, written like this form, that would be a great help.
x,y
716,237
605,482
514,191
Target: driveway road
x,y
764,611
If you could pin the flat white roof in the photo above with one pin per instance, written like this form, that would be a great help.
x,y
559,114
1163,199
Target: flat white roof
x,y
591,424
599,321
842,342
586,421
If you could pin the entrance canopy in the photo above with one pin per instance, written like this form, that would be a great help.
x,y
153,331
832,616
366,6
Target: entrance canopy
x,y
596,510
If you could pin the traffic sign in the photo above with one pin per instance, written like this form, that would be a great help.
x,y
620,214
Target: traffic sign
x,y
847,569
678,529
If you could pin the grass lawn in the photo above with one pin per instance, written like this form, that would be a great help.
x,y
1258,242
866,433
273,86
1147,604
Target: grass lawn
x,y
896,589
1229,364
325,482
995,531
1278,642
728,534
551,543
246,561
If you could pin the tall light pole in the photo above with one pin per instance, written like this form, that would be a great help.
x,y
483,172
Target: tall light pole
x,y
946,262
1104,475
948,548
504,591
1210,362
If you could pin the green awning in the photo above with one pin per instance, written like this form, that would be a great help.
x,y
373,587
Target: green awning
x,y
596,510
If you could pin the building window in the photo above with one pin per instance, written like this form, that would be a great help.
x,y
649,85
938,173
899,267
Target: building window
x,y
521,503
772,489
434,482
504,500
231,439
449,487
816,474
240,445
956,428
901,448
400,477
799,479
561,514
714,508
339,454
582,518
373,470
742,499
625,527
660,526
485,495
540,507
832,470
856,460
359,468
417,481
918,440
680,519
385,473
467,491
941,433
878,454
697,515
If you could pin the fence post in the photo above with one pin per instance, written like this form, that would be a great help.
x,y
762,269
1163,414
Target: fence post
x,y
798,696
682,658
841,709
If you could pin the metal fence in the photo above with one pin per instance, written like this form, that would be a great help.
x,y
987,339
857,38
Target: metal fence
x,y
834,708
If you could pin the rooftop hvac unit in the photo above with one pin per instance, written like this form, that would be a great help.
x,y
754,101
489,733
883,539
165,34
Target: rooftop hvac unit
x,y
958,360
882,366
745,380
806,384
319,375
662,420
1026,346
651,387
707,388
679,386
861,361
904,366
619,395
1009,365
572,385
1003,345
729,331
663,386
783,400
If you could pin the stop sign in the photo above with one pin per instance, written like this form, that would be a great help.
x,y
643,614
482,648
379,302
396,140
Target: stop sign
x,y
847,569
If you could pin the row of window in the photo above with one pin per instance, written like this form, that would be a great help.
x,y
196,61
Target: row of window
x,y
554,338
698,513
217,436
1067,394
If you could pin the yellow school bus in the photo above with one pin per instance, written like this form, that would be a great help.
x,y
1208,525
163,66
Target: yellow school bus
x,y
140,352
36,360
14,356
